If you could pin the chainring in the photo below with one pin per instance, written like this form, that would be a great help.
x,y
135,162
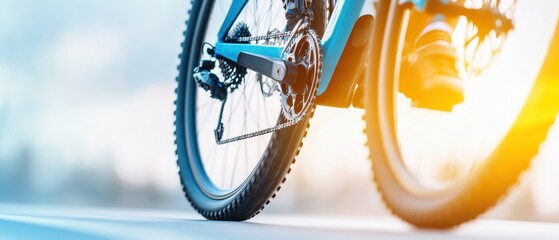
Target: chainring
x,y
303,49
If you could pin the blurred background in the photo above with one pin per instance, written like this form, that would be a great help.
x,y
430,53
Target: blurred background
x,y
86,112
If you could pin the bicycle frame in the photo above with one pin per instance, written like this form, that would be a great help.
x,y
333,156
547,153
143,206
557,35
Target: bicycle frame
x,y
346,13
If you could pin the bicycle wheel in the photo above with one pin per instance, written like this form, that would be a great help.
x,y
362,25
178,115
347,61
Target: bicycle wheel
x,y
437,169
234,181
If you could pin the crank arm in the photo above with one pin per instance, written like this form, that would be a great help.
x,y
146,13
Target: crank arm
x,y
277,69
266,60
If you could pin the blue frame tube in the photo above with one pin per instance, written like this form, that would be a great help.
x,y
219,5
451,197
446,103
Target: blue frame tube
x,y
345,16
234,11
231,50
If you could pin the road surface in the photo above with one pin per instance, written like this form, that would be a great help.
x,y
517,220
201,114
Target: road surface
x,y
33,222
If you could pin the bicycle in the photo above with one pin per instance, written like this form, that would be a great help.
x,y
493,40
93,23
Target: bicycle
x,y
247,87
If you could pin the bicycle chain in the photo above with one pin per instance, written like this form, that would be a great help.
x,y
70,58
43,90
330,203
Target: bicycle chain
x,y
288,123
258,38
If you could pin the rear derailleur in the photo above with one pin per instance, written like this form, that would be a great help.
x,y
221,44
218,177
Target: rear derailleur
x,y
208,81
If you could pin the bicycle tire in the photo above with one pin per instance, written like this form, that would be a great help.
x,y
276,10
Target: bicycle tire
x,y
250,197
481,190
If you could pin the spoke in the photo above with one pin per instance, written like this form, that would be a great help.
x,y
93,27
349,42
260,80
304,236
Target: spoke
x,y
233,109
225,155
224,158
268,22
224,165
235,164
266,110
249,109
211,155
205,104
275,15
258,112
241,142
256,18
471,39
206,116
246,157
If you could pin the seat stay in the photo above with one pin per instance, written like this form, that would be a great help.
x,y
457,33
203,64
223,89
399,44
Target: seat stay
x,y
234,11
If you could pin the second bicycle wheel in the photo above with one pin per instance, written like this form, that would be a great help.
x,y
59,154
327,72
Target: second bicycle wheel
x,y
234,181
437,169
